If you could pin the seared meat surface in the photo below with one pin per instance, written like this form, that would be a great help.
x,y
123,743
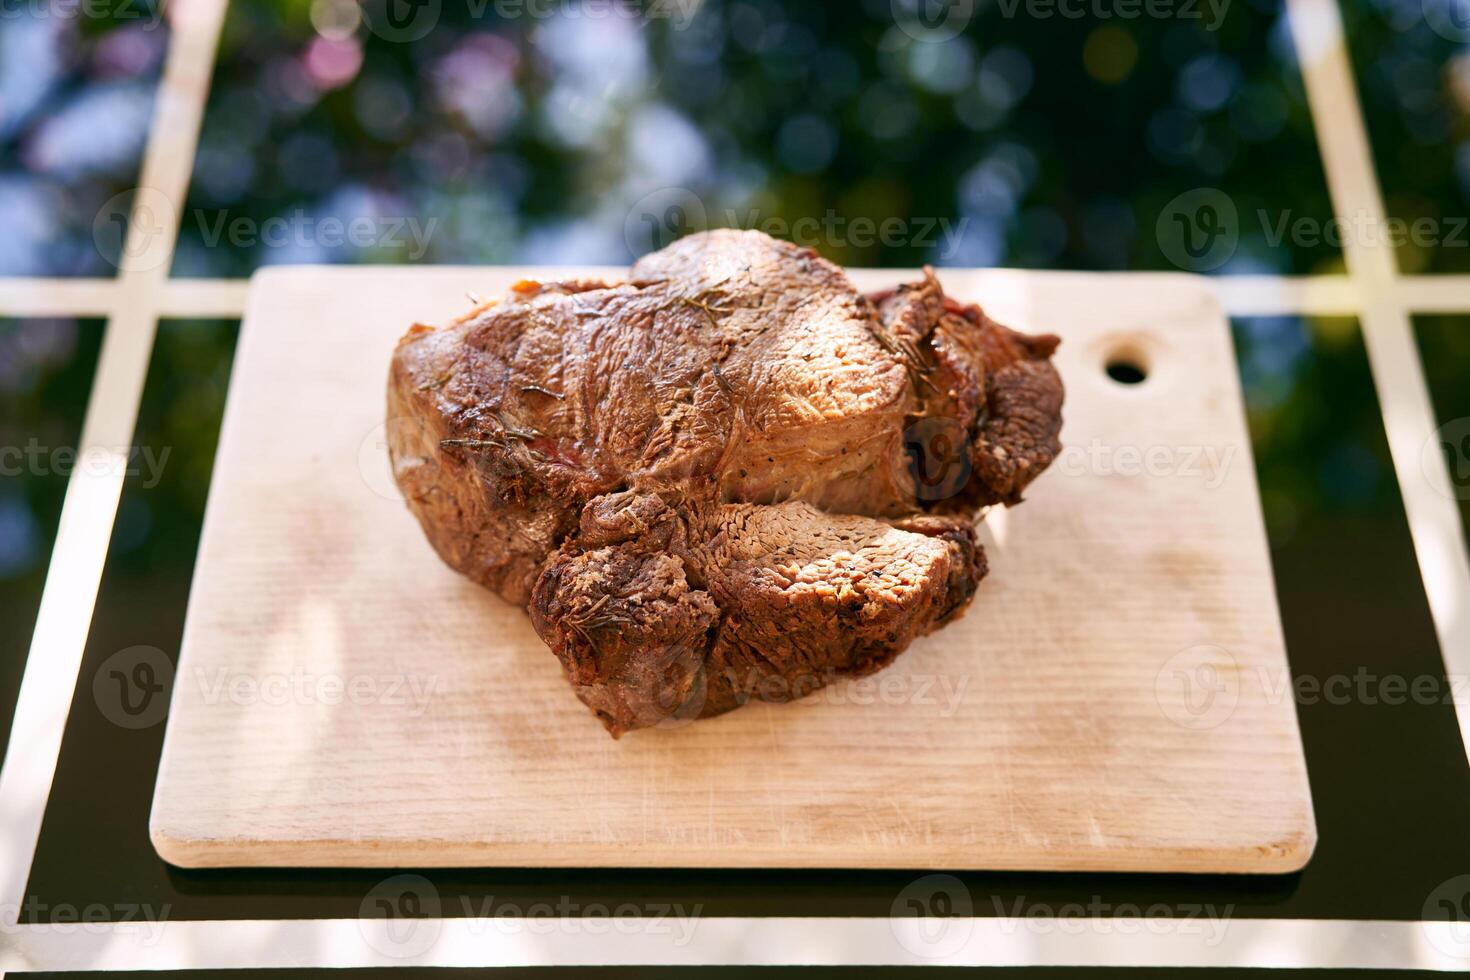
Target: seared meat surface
x,y
732,476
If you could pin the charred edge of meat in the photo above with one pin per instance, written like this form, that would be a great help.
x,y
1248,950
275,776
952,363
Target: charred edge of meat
x,y
1014,431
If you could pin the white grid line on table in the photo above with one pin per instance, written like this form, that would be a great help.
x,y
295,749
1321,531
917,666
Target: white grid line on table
x,y
1241,296
740,941
144,292
90,505
1408,413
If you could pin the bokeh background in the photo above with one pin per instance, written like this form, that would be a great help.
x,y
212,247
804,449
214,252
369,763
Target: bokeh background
x,y
529,130
1039,142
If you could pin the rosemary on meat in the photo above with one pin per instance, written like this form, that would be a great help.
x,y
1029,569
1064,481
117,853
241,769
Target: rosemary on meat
x,y
543,391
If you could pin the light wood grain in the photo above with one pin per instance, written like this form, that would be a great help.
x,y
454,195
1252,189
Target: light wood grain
x,y
1062,724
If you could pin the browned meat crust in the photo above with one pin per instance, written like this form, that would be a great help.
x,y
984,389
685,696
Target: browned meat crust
x,y
732,476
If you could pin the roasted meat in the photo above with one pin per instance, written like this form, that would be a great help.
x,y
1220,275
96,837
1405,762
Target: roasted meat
x,y
732,476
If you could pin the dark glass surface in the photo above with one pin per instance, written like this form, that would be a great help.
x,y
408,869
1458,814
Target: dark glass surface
x,y
78,82
46,369
1029,138
1353,607
1444,348
1389,780
1414,86
144,586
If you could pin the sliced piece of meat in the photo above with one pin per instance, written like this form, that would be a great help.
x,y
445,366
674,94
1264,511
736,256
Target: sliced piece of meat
x,y
812,597
734,601
732,463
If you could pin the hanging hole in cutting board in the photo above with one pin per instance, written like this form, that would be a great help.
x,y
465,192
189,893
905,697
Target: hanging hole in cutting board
x,y
1127,366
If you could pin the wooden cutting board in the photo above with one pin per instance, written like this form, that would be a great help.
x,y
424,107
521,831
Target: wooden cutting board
x,y
1117,697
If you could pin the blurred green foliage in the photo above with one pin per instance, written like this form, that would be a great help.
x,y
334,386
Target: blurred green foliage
x,y
1025,139
1413,75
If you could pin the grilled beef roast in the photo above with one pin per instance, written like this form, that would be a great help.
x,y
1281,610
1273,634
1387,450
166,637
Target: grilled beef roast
x,y
731,476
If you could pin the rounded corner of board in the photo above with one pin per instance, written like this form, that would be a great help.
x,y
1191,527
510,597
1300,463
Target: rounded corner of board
x,y
175,851
1293,852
